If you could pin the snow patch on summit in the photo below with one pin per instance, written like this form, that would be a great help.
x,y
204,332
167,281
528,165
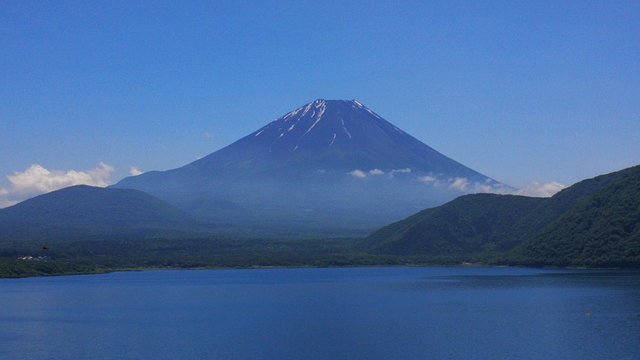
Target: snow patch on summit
x,y
322,106
345,128
322,110
293,113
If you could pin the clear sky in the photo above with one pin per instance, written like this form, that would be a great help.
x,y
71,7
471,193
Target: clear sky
x,y
520,91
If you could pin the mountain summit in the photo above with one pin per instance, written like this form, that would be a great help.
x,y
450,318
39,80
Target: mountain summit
x,y
329,161
333,135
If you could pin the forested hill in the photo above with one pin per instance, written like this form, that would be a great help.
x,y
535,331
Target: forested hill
x,y
602,229
468,224
595,222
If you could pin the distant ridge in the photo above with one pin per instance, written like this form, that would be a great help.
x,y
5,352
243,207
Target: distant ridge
x,y
84,210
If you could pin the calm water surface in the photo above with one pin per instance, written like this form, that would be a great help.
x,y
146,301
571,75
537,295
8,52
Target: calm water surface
x,y
353,313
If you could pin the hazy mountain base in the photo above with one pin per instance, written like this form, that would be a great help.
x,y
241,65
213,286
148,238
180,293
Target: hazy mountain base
x,y
82,213
595,223
330,163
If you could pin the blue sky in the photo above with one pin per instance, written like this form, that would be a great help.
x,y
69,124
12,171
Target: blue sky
x,y
520,91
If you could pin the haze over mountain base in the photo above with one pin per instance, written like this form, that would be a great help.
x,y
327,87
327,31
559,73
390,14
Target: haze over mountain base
x,y
595,223
328,164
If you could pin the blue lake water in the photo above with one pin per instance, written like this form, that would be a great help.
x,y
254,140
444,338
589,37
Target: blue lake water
x,y
340,313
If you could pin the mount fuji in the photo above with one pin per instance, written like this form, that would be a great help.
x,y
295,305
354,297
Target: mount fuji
x,y
330,164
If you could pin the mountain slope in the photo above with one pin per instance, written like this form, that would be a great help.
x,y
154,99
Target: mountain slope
x,y
594,222
328,163
603,229
84,209
330,135
468,224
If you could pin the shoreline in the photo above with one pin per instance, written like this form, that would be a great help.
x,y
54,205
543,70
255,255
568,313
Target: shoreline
x,y
259,267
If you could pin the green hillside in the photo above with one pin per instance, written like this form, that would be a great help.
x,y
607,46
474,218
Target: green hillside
x,y
468,224
602,229
595,222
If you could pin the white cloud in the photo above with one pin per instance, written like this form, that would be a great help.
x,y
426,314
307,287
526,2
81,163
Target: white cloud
x,y
3,201
459,183
207,135
376,172
404,171
427,179
6,203
134,171
357,173
534,189
37,180
486,188
399,171
537,189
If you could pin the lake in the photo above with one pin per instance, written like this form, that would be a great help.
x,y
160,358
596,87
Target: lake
x,y
335,313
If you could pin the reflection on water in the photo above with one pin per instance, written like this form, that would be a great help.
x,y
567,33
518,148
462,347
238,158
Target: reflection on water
x,y
359,313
